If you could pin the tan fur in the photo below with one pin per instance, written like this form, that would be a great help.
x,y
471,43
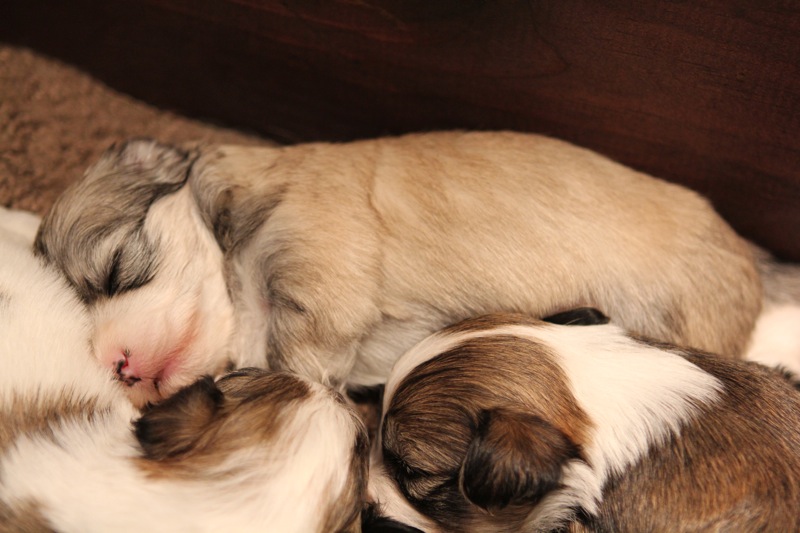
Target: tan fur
x,y
420,231
339,257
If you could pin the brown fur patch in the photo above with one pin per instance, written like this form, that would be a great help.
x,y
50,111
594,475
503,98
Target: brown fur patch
x,y
188,434
24,518
490,321
25,416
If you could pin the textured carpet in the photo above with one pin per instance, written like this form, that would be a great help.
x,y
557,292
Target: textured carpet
x,y
55,120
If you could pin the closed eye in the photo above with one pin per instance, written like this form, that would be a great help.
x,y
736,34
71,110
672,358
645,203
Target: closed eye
x,y
132,266
112,285
399,464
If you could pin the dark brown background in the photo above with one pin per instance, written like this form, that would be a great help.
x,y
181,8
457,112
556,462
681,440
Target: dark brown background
x,y
702,93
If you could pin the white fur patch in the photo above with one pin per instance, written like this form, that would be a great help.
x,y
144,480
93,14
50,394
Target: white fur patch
x,y
18,224
44,332
776,338
177,326
90,483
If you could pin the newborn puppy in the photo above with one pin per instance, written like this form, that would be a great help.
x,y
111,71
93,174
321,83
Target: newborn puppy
x,y
333,259
255,451
503,423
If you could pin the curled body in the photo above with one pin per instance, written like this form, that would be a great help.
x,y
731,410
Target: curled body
x,y
503,423
334,259
252,450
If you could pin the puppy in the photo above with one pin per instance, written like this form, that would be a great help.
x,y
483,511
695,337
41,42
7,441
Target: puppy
x,y
333,259
503,423
254,451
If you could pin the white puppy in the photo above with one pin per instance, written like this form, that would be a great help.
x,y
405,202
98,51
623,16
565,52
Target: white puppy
x,y
332,260
255,451
507,424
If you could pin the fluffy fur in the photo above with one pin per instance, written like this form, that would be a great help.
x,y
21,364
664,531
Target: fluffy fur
x,y
334,259
252,451
504,423
776,338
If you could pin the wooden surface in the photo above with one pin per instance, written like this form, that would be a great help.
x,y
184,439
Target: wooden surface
x,y
702,93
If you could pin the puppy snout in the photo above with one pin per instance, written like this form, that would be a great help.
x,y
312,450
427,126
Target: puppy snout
x,y
124,371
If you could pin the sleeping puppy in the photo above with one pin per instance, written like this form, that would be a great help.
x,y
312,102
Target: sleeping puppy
x,y
504,423
333,259
254,451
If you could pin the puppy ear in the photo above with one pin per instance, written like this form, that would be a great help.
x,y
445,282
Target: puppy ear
x,y
144,154
581,316
515,458
171,428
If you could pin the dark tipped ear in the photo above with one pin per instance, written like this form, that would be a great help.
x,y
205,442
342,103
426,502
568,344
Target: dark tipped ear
x,y
143,154
172,427
515,458
581,316
372,521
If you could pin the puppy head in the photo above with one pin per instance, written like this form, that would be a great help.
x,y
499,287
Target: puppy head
x,y
290,450
506,423
129,239
94,232
482,428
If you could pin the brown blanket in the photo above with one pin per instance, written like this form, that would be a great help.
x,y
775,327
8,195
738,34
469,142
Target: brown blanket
x,y
55,120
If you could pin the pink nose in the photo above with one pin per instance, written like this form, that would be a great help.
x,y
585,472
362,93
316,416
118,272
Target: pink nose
x,y
124,372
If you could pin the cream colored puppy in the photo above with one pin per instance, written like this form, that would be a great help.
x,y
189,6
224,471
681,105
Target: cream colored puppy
x,y
254,451
334,259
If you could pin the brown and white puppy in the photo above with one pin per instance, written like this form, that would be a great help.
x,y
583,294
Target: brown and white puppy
x,y
334,259
256,450
503,423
